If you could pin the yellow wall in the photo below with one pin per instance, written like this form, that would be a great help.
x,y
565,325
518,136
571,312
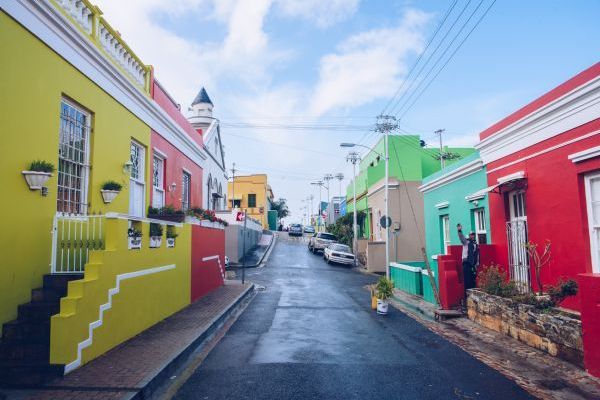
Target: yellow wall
x,y
141,302
251,184
32,80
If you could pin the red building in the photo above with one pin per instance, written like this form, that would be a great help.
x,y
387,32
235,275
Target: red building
x,y
543,170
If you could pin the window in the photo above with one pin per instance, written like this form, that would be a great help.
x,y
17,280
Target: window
x,y
73,159
592,189
251,200
237,203
208,191
445,233
185,191
137,182
158,182
480,231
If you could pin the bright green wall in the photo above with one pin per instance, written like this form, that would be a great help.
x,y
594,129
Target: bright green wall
x,y
459,209
33,79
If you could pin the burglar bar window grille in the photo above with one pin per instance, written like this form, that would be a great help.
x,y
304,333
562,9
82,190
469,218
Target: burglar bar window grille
x,y
185,191
73,159
480,231
446,233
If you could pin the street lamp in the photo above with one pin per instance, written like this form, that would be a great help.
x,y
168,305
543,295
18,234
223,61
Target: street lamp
x,y
353,157
320,184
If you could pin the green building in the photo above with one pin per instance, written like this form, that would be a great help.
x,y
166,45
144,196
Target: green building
x,y
454,196
409,164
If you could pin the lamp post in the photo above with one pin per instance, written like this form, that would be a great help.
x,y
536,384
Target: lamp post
x,y
328,178
354,158
320,184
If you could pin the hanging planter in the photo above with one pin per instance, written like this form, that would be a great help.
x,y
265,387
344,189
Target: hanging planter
x,y
170,242
110,190
38,174
171,235
156,231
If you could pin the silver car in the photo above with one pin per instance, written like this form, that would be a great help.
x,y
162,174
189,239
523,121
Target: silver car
x,y
320,240
338,253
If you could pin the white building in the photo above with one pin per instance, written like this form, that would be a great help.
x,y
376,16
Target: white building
x,y
214,193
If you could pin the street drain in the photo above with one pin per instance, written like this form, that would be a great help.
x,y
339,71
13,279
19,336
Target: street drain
x,y
260,288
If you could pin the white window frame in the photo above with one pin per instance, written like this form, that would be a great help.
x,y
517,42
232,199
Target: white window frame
x,y
141,178
515,213
160,189
479,218
186,190
594,228
446,232
82,205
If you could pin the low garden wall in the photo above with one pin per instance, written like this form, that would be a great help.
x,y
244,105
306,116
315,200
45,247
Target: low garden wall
x,y
552,331
407,278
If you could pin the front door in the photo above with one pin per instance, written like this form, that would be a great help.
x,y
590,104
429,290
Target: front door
x,y
592,192
137,184
516,229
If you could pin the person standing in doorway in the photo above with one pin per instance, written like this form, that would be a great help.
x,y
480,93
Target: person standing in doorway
x,y
470,257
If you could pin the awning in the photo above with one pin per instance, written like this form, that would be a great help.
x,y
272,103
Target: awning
x,y
505,181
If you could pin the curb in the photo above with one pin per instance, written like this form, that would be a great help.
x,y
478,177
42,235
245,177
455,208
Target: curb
x,y
233,267
161,375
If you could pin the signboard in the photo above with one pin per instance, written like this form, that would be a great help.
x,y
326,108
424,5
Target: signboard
x,y
239,216
385,221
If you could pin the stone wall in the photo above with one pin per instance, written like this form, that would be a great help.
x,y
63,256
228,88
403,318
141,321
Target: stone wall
x,y
552,331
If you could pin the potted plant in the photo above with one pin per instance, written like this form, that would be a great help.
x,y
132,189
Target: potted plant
x,y
166,213
384,291
372,289
110,190
171,235
156,231
135,238
38,173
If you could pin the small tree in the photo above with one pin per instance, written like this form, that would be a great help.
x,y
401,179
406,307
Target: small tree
x,y
538,261
281,207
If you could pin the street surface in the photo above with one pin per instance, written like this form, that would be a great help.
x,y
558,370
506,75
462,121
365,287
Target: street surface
x,y
311,334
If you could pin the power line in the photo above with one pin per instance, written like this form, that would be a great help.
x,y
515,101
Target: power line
x,y
281,144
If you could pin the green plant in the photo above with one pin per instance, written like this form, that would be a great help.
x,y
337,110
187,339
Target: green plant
x,y
41,166
563,290
156,229
134,233
171,234
538,260
384,288
493,279
112,185
166,210
281,207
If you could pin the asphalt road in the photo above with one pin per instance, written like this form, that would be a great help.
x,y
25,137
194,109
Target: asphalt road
x,y
312,335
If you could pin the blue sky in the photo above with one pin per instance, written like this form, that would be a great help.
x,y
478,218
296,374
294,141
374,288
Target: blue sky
x,y
339,62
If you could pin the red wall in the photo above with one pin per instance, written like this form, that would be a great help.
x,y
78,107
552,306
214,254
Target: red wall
x,y
555,201
175,163
207,275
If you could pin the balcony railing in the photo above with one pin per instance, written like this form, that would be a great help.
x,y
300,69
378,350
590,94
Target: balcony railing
x,y
88,18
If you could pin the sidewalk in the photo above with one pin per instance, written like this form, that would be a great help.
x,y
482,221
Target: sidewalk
x,y
542,375
255,256
136,368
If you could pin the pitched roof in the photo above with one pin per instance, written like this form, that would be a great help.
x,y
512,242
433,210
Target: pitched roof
x,y
202,97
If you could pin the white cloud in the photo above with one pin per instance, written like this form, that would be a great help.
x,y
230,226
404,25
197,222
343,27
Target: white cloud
x,y
323,13
368,65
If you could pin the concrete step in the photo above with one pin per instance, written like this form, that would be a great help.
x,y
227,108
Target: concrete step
x,y
33,332
38,311
18,374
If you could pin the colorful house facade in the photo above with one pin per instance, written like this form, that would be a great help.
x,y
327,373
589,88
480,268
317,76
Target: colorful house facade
x,y
454,195
409,164
86,268
252,193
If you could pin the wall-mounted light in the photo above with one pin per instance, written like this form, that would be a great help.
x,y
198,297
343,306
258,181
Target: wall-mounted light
x,y
172,187
128,167
475,203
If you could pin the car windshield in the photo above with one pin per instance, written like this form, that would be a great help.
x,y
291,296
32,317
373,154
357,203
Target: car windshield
x,y
326,236
340,247
296,226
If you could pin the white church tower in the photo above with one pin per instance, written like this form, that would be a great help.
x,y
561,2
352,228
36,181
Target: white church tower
x,y
214,193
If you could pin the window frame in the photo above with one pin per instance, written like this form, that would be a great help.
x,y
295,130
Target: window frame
x,y
445,228
161,188
594,228
186,190
252,196
479,222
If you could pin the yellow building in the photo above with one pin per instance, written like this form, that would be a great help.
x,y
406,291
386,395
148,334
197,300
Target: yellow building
x,y
76,97
252,193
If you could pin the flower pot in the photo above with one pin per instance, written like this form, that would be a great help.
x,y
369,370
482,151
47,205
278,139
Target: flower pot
x,y
134,242
155,241
168,217
382,307
108,195
36,179
170,242
373,302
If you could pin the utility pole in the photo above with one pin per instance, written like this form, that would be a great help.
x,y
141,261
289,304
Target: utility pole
x,y
353,157
340,177
442,161
320,184
328,178
385,124
233,170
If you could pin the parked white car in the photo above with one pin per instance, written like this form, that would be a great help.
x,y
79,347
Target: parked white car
x,y
338,253
319,241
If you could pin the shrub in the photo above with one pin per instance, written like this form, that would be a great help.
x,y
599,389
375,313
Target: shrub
x,y
112,185
171,234
134,233
563,290
384,288
156,229
493,279
41,166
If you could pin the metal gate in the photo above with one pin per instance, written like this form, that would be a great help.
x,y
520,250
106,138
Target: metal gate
x,y
518,259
